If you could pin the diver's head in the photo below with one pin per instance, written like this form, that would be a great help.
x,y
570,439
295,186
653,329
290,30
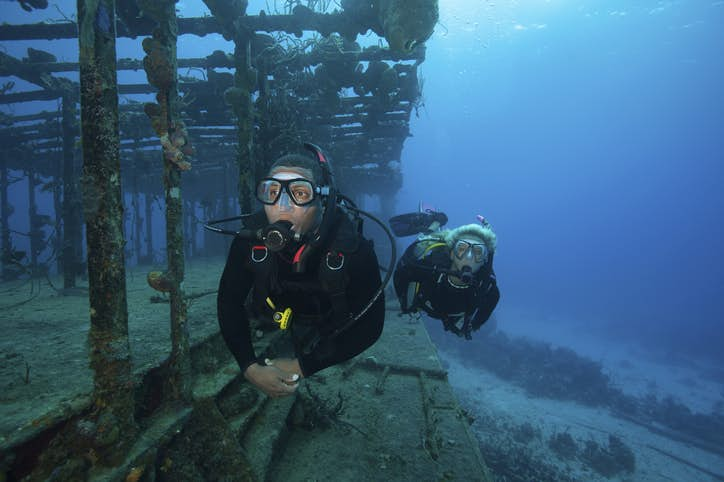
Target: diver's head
x,y
289,193
471,246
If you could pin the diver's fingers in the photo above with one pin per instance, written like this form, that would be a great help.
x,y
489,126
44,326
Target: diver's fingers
x,y
292,379
283,390
288,384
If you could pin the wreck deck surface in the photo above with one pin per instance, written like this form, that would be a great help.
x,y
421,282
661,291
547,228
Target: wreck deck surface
x,y
390,413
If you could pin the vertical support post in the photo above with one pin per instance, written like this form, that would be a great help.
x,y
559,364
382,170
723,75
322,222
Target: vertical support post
x,y
191,227
5,212
148,201
227,201
225,195
161,68
243,107
58,216
136,206
387,204
228,13
102,201
71,214
180,362
35,234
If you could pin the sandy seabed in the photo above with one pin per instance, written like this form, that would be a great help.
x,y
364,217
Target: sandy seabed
x,y
501,410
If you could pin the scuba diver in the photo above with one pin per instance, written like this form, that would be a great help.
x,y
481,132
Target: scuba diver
x,y
309,270
448,274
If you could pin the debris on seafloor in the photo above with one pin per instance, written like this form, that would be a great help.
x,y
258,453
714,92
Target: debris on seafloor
x,y
312,412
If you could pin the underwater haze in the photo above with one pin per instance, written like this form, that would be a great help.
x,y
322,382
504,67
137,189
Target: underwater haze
x,y
590,134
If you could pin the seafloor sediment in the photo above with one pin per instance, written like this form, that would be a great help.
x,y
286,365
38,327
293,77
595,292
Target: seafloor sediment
x,y
389,413
44,348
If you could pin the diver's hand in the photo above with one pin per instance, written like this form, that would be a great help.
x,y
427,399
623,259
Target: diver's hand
x,y
289,365
271,380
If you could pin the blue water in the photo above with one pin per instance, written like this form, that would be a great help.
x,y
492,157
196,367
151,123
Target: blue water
x,y
591,135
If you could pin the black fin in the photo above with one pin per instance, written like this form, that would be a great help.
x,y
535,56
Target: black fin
x,y
415,223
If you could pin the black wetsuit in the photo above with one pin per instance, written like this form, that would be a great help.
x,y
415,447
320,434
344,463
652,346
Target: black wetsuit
x,y
312,311
471,305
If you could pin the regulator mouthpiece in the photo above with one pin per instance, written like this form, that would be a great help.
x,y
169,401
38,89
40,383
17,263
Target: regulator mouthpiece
x,y
276,236
466,275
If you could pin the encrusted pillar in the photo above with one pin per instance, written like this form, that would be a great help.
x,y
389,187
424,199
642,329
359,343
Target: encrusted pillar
x,y
103,208
137,221
228,201
239,97
192,228
228,13
160,64
387,205
148,203
5,211
35,233
58,216
72,236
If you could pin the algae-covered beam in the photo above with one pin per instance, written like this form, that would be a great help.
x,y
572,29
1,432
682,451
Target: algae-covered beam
x,y
346,23
199,26
161,68
30,72
44,115
227,13
29,5
404,23
52,31
304,59
22,97
110,356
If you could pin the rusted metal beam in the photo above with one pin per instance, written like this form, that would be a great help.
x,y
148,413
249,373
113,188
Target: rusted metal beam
x,y
30,96
302,60
32,73
324,23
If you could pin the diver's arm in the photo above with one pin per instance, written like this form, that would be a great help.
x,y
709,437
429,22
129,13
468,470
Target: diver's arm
x,y
234,287
401,280
364,281
487,301
409,270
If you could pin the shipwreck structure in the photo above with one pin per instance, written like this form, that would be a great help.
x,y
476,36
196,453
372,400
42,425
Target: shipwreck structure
x,y
192,134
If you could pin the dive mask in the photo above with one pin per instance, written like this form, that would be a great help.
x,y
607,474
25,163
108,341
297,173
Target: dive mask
x,y
463,249
300,191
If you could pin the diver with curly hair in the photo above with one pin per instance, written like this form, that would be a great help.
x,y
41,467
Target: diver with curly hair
x,y
448,274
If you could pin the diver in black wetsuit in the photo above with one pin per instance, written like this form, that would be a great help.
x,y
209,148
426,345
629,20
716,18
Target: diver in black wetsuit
x,y
447,274
312,273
